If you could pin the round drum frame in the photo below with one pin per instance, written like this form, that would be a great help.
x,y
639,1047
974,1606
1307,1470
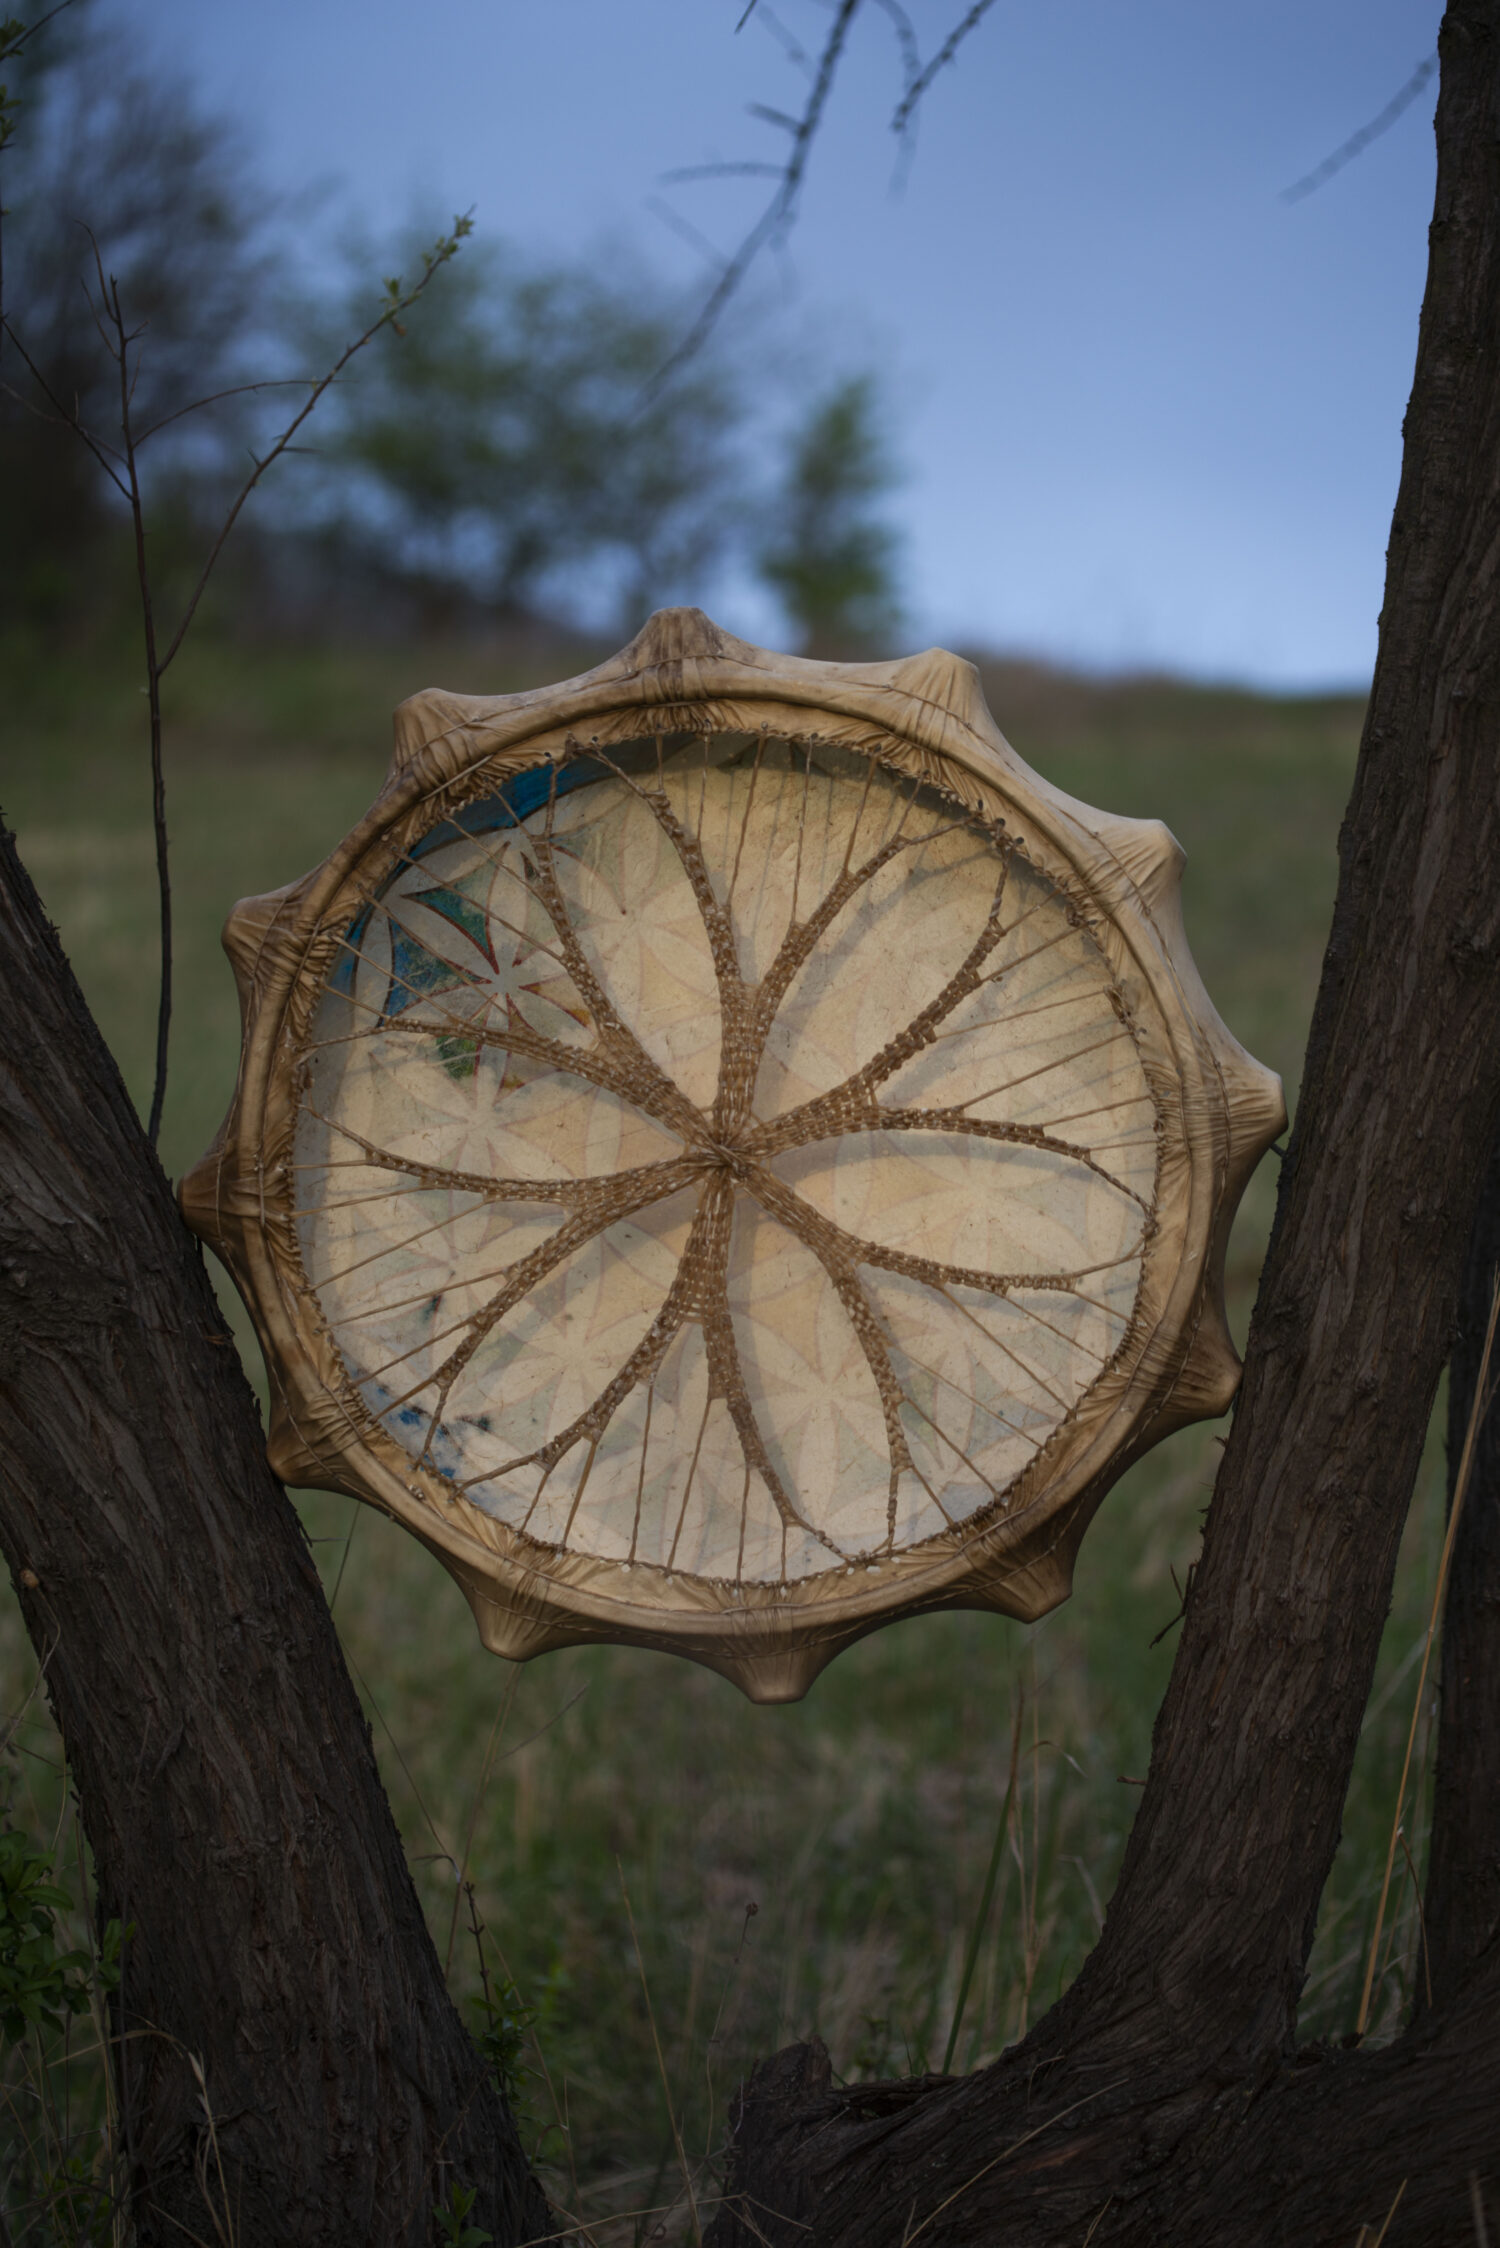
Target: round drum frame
x,y
1216,1112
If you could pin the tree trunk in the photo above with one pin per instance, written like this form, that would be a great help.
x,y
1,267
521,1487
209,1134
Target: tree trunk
x,y
1463,1881
1186,2009
225,1771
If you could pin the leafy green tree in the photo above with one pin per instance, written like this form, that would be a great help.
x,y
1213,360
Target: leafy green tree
x,y
505,448
830,556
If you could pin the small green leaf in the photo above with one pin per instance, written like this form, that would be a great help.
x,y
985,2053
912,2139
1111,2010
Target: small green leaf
x,y
452,2217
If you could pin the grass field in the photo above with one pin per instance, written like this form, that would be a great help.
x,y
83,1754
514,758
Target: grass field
x,y
859,1824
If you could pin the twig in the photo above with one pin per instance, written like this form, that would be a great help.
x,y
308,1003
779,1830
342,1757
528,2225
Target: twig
x,y
1460,1490
779,213
119,351
397,302
906,40
777,219
1184,1594
1390,2213
104,455
14,36
344,1556
442,1848
227,2230
217,398
940,61
1014,2148
497,1728
122,469
1358,142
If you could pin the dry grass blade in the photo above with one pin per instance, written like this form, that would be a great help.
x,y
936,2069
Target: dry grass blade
x,y
225,2228
1482,1393
1014,2148
1377,2237
751,1910
666,2088
981,1917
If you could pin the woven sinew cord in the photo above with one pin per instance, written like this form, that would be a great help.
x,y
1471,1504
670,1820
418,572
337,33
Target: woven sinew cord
x,y
633,1137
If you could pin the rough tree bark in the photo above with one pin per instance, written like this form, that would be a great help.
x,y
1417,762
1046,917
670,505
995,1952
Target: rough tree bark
x,y
1163,2099
226,1775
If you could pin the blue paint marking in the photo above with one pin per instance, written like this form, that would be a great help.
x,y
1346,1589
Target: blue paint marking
x,y
519,798
342,979
418,974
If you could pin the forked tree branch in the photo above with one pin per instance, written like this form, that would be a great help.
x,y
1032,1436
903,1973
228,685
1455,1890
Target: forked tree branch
x,y
917,87
776,221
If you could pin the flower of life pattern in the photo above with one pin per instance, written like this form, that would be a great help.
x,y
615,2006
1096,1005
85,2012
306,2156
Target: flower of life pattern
x,y
722,1157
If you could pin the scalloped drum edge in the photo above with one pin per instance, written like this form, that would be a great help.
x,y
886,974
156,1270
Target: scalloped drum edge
x,y
679,663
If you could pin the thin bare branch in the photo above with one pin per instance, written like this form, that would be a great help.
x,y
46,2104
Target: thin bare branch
x,y
217,397
722,172
771,229
777,218
399,301
906,41
685,231
786,39
119,340
104,454
111,313
16,42
1358,142
906,107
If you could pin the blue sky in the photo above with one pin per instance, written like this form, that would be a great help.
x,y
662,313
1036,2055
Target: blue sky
x,y
1150,413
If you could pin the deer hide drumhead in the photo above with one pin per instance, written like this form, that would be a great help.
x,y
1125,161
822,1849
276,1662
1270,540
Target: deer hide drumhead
x,y
726,1171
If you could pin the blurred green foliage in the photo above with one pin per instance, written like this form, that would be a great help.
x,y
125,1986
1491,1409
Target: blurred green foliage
x,y
452,2220
499,452
831,555
38,1983
61,2178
